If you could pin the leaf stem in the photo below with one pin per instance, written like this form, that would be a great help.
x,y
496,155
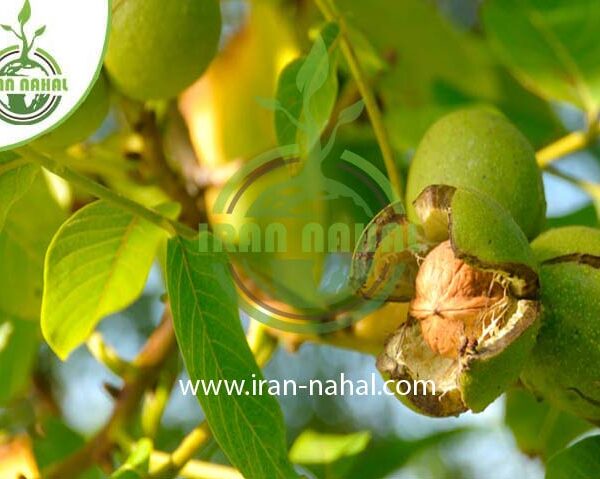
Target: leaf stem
x,y
173,463
13,165
262,344
329,12
567,145
155,400
99,191
106,355
196,469
591,188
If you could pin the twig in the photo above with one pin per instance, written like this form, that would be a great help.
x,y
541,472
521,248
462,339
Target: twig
x,y
591,188
329,12
149,362
106,355
156,399
174,462
13,165
167,179
196,469
99,191
567,145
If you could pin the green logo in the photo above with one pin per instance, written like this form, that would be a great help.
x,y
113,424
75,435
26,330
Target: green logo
x,y
31,81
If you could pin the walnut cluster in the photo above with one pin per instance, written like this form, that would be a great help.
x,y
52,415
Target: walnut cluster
x,y
453,301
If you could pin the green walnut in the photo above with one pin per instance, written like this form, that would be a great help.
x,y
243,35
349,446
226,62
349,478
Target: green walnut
x,y
480,149
564,367
472,282
158,48
84,122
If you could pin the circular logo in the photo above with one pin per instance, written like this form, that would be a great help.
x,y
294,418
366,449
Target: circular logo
x,y
291,230
31,87
50,56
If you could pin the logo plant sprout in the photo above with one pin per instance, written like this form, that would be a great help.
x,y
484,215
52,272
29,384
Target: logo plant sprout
x,y
31,81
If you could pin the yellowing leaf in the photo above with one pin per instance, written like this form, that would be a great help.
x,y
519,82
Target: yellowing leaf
x,y
97,264
16,459
28,230
16,177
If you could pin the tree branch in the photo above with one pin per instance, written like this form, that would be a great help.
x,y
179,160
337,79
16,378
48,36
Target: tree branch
x,y
99,191
168,180
149,362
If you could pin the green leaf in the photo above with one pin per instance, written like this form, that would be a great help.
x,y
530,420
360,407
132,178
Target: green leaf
x,y
434,68
28,229
58,441
96,265
136,465
16,177
551,46
384,456
306,92
27,232
25,13
126,474
539,429
8,28
586,216
248,428
18,346
313,447
40,31
357,456
580,461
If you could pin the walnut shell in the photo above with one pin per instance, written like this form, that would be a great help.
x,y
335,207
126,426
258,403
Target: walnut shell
x,y
453,301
